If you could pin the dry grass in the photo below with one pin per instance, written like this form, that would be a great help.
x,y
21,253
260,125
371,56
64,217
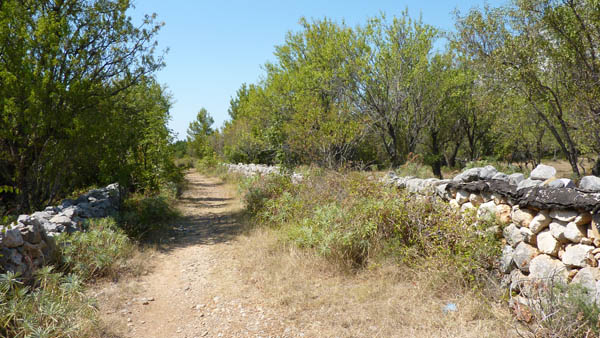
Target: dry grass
x,y
319,299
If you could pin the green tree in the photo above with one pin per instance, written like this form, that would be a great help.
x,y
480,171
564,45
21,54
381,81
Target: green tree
x,y
62,63
199,132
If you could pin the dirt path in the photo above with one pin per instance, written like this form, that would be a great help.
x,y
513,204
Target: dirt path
x,y
215,281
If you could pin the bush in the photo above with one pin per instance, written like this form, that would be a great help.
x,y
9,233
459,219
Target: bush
x,y
353,220
97,252
142,216
58,308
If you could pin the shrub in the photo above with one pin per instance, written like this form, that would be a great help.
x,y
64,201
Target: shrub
x,y
142,215
258,190
97,252
353,220
58,308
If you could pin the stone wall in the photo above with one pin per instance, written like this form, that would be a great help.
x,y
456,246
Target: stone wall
x,y
258,169
28,244
550,227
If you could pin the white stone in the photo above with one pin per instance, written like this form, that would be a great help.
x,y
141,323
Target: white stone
x,y
564,215
544,267
467,206
523,255
506,260
487,211
528,183
10,238
475,199
542,172
590,183
547,244
503,212
574,232
515,178
578,255
558,231
587,278
454,204
540,221
522,217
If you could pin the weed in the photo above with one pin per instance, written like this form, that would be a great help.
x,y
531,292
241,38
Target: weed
x,y
143,216
100,251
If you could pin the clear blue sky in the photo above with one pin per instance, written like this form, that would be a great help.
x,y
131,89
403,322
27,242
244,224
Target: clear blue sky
x,y
217,45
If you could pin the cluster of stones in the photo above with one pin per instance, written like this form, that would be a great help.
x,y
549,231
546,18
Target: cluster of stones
x,y
550,227
28,244
259,169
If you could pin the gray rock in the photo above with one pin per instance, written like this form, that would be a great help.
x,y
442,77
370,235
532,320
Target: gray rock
x,y
527,183
468,175
522,217
590,183
578,255
564,215
523,255
10,238
487,211
487,172
462,197
528,236
31,233
562,183
542,172
506,260
587,278
512,235
515,178
61,219
414,185
501,177
544,267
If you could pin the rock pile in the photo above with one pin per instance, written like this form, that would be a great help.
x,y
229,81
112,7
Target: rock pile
x,y
550,226
28,244
259,169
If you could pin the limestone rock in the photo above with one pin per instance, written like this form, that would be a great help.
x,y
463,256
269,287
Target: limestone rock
x,y
467,206
528,183
574,232
595,226
487,172
540,221
515,178
587,278
454,204
544,267
61,219
547,244
468,175
528,236
506,260
501,177
513,235
558,231
590,183
523,255
487,211
561,183
503,212
10,238
462,197
522,217
476,199
542,172
578,255
564,215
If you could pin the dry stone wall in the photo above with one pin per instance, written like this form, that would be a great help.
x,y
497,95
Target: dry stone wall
x,y
29,243
550,227
258,169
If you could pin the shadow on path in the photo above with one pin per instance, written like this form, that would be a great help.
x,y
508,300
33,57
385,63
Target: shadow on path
x,y
211,216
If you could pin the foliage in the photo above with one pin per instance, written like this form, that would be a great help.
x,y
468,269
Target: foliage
x,y
143,216
198,135
58,308
354,221
97,252
78,104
